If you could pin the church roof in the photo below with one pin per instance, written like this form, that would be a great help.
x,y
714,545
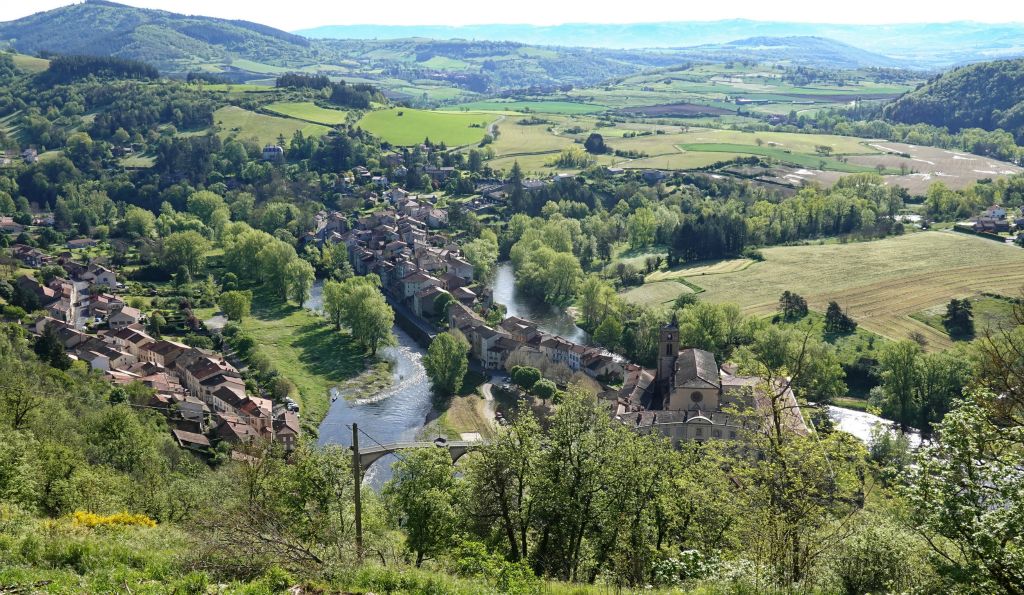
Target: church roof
x,y
696,368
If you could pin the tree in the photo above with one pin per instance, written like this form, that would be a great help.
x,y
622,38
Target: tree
x,y
420,496
965,497
273,260
482,253
501,480
138,223
899,379
959,319
446,362
525,376
595,144
50,349
792,306
184,249
334,297
544,389
608,333
598,301
641,226
366,313
204,203
300,277
235,304
837,321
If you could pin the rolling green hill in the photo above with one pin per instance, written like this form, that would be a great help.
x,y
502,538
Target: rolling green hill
x,y
986,95
169,41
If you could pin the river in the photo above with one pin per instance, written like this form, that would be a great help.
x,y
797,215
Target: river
x,y
550,319
400,412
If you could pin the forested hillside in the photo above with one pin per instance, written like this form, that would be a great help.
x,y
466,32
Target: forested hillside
x,y
170,41
988,95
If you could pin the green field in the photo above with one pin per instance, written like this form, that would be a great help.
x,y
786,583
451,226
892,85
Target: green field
x,y
659,293
309,352
258,67
405,127
309,112
802,159
229,88
881,283
444,63
235,121
544,107
700,269
30,63
990,312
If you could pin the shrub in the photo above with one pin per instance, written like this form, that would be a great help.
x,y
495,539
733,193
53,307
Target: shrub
x,y
125,519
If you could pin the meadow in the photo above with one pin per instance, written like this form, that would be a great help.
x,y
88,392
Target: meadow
x,y
309,352
30,63
235,121
657,293
525,106
881,283
308,111
405,127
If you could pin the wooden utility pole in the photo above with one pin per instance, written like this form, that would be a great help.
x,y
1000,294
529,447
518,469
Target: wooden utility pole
x,y
358,484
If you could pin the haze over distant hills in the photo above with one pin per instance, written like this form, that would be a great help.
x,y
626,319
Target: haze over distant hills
x,y
930,45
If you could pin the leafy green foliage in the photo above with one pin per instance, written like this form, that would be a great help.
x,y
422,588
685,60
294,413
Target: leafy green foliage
x,y
986,95
446,362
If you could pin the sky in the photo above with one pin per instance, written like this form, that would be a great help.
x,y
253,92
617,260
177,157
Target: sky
x,y
291,15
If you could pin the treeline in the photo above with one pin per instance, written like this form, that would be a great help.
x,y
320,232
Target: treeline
x,y
303,81
64,69
359,95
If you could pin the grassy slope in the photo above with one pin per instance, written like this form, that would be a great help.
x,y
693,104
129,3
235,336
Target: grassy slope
x,y
309,112
881,282
266,129
413,125
802,159
989,313
30,63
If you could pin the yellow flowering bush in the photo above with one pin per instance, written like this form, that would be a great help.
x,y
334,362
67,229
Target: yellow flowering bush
x,y
124,519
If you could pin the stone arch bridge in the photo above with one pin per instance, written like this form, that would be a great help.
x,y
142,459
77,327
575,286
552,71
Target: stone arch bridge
x,y
370,455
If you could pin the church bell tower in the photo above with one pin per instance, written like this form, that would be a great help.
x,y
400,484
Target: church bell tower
x,y
668,351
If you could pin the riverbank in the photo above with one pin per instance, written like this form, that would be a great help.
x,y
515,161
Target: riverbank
x,y
307,350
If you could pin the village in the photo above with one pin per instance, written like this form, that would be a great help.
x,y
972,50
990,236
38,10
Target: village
x,y
203,395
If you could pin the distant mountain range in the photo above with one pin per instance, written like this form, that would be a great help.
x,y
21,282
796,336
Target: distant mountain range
x,y
810,51
932,45
488,58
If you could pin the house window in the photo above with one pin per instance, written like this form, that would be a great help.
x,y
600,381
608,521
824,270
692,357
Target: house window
x,y
668,349
716,433
700,432
732,435
696,397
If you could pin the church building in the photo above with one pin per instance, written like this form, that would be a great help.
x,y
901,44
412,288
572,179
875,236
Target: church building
x,y
690,397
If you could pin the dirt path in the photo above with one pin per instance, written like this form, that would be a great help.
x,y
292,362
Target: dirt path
x,y
490,406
